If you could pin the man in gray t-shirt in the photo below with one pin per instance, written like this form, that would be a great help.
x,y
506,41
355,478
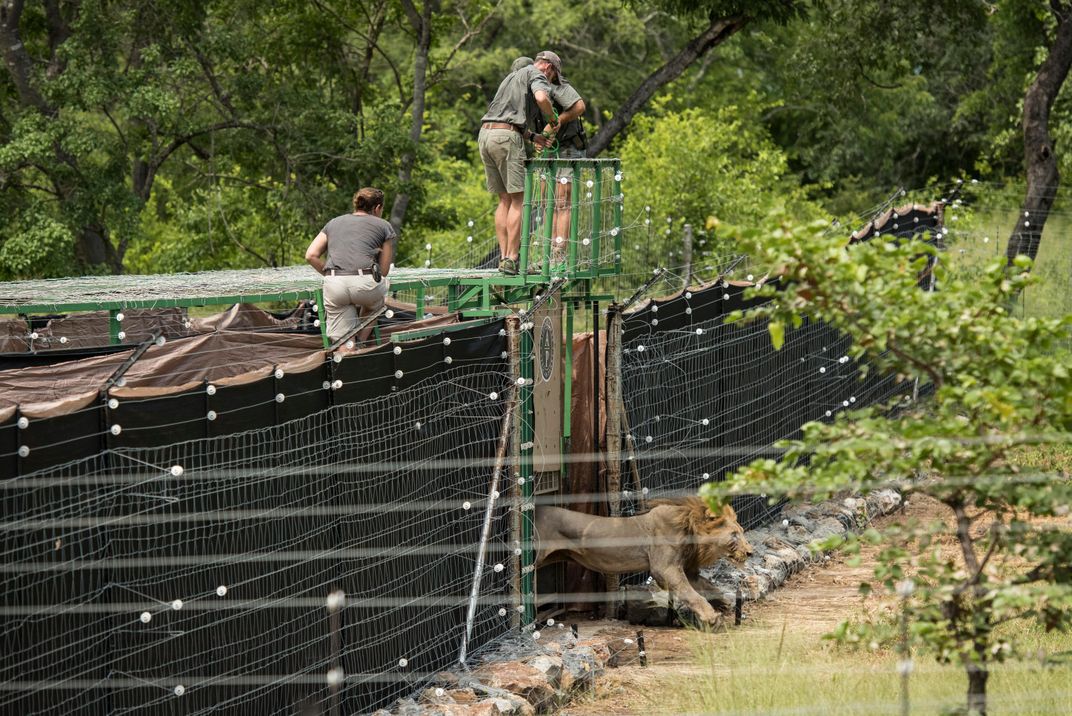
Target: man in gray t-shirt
x,y
360,247
502,149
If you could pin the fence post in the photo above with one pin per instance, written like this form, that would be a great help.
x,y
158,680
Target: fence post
x,y
489,512
515,474
688,256
614,436
522,349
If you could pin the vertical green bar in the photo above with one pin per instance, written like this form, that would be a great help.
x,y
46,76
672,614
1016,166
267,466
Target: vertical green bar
x,y
619,201
526,222
322,316
528,556
597,218
113,326
575,216
420,302
567,375
549,219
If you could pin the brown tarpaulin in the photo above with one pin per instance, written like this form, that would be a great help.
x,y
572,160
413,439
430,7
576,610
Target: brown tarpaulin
x,y
243,317
93,329
224,357
587,473
47,391
14,336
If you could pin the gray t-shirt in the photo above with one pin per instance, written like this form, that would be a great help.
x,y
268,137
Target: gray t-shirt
x,y
563,97
354,241
509,103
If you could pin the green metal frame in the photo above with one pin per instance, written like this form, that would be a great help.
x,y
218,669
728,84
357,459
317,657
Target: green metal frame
x,y
528,554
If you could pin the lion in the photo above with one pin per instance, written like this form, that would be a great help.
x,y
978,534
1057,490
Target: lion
x,y
672,541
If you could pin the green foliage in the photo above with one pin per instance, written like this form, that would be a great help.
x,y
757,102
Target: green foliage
x,y
149,108
710,169
1000,383
35,245
694,164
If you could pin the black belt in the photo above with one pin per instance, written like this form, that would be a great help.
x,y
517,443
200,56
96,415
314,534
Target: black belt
x,y
340,272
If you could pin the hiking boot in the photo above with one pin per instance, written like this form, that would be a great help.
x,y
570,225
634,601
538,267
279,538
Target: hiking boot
x,y
508,267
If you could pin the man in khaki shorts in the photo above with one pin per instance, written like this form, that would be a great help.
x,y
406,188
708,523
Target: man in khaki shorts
x,y
360,247
572,144
502,147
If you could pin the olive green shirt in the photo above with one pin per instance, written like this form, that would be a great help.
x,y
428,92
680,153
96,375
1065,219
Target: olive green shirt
x,y
509,104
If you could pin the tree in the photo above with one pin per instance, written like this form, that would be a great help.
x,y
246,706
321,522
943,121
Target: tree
x,y
702,168
999,384
722,20
98,100
1040,156
422,21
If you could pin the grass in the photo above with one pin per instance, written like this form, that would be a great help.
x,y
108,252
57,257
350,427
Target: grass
x,y
980,233
782,671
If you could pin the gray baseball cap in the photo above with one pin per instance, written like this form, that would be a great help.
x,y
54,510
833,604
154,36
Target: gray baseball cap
x,y
554,59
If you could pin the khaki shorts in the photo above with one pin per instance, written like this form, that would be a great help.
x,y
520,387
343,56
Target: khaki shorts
x,y
564,155
503,154
348,298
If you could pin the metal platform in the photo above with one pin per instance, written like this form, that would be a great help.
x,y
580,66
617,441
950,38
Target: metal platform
x,y
588,190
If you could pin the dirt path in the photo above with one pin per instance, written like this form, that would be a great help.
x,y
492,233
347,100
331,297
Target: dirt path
x,y
811,602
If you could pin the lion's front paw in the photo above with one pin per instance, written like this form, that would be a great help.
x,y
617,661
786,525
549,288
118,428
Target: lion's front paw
x,y
708,619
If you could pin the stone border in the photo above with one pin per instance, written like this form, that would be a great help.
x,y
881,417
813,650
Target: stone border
x,y
539,671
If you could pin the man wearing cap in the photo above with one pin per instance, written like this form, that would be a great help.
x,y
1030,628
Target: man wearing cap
x,y
503,130
572,143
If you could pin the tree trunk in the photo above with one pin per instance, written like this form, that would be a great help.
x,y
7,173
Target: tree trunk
x,y
1040,160
717,31
977,677
422,25
379,15
94,248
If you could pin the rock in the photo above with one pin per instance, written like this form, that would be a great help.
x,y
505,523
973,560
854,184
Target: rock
x,y
550,667
488,707
521,679
647,607
802,522
827,527
509,706
797,534
580,667
758,535
884,501
599,649
755,586
446,679
777,569
622,651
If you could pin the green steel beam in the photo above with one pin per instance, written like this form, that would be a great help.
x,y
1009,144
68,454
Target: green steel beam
x,y
551,190
597,221
526,213
575,218
114,326
618,202
322,316
528,555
